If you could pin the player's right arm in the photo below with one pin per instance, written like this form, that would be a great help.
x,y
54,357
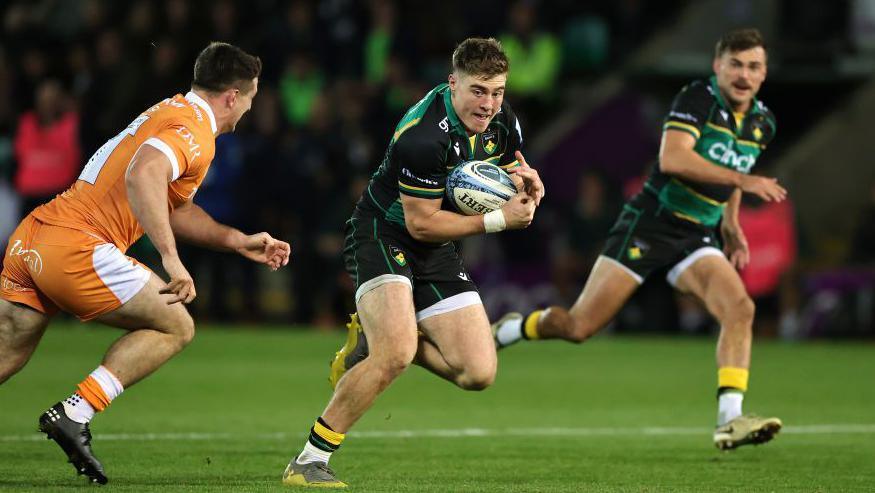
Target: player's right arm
x,y
420,155
677,157
426,221
146,181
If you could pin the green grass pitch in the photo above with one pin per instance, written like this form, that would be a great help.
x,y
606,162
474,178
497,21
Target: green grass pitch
x,y
618,414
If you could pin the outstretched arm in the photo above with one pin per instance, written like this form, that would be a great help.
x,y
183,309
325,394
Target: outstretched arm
x,y
677,157
192,224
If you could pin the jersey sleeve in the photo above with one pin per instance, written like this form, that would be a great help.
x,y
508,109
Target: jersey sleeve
x,y
690,110
765,126
421,164
514,140
182,146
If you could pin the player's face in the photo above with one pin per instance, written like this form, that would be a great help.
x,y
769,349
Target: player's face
x,y
243,103
740,75
476,100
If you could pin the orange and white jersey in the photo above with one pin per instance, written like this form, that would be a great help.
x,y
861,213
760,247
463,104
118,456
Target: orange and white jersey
x,y
183,128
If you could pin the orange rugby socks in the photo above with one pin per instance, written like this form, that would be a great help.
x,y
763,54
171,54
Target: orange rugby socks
x,y
92,395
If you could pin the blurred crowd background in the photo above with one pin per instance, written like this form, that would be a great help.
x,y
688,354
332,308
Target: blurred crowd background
x,y
590,81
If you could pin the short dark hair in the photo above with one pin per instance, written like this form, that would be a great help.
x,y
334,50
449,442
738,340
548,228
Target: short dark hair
x,y
222,66
739,40
481,57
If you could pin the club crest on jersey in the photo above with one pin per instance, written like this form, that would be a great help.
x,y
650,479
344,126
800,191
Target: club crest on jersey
x,y
637,250
398,255
757,134
490,140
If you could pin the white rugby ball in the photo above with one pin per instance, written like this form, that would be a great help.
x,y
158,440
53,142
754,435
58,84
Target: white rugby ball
x,y
478,187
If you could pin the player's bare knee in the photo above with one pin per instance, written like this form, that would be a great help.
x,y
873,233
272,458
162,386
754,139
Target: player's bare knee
x,y
392,361
186,329
740,312
180,325
10,364
477,378
580,329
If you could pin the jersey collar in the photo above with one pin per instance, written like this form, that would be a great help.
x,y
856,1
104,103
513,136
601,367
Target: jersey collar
x,y
194,98
451,112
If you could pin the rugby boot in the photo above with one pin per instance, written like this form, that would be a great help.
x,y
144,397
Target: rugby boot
x,y
313,474
75,440
353,351
507,318
745,430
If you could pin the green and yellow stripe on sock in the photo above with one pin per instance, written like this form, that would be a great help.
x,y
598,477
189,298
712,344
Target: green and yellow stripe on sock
x,y
324,438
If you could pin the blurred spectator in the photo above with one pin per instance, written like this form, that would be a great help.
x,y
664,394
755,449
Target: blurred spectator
x,y
231,291
300,87
587,224
47,146
113,94
535,59
379,40
770,228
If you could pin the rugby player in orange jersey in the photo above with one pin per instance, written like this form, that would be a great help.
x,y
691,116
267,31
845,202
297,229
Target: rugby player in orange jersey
x,y
69,253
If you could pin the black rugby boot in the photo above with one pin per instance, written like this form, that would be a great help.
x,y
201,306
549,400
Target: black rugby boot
x,y
75,439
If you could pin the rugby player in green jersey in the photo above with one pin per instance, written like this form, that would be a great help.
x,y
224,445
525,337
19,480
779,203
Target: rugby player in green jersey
x,y
712,137
415,300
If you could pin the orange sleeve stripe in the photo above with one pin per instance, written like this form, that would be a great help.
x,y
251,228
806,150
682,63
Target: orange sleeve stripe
x,y
91,391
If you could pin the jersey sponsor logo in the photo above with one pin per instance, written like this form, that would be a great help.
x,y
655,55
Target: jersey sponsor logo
x,y
409,174
463,276
175,104
444,124
188,138
682,116
31,257
725,154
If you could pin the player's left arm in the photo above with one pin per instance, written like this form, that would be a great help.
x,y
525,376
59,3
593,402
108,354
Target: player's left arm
x,y
734,242
192,224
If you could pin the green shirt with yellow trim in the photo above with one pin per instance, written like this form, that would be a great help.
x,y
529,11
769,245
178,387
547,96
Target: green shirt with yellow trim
x,y
428,143
734,141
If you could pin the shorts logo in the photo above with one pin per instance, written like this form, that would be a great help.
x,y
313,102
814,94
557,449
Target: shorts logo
x,y
31,257
490,140
637,250
398,255
9,285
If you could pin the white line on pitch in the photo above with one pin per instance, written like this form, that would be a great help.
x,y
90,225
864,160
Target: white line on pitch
x,y
827,429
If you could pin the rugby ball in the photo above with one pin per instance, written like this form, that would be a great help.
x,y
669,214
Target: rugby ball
x,y
478,187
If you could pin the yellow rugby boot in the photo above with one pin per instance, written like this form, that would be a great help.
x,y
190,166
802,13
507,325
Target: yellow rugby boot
x,y
745,430
354,350
312,475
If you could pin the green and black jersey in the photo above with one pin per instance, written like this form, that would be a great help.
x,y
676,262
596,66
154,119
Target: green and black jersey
x,y
731,140
428,143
